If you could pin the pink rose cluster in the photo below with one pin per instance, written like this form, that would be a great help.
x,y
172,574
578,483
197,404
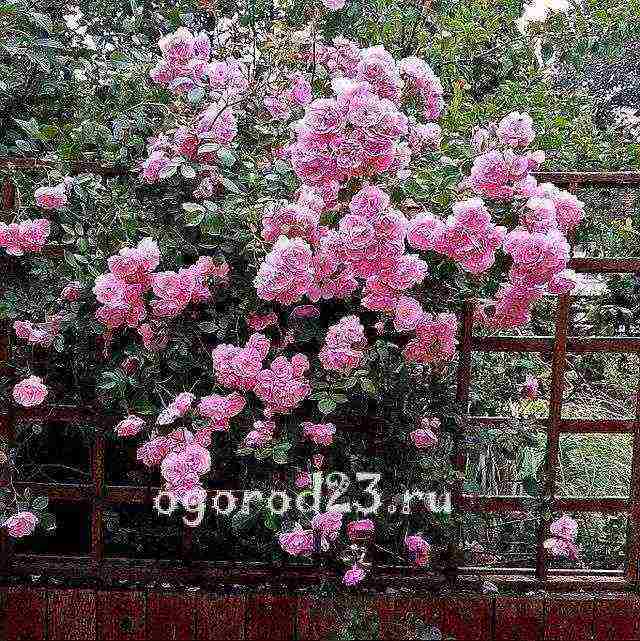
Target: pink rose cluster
x,y
131,275
343,346
296,95
563,538
368,245
52,197
186,64
435,339
300,542
362,131
468,236
281,387
300,219
30,392
41,334
261,435
29,236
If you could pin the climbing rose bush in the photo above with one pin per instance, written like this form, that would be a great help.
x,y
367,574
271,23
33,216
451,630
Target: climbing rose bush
x,y
329,305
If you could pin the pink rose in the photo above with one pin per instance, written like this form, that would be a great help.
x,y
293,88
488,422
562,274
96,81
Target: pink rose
x,y
258,322
21,524
152,452
418,549
423,438
51,197
354,575
297,543
319,433
71,292
531,388
130,426
30,392
408,314
328,524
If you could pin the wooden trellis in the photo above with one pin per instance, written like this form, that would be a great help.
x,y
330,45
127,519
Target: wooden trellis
x,y
97,496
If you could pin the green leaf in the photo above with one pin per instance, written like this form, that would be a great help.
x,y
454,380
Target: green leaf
x,y
327,405
40,503
188,172
230,185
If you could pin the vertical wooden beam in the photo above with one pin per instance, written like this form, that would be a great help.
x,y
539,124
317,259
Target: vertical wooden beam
x,y
270,616
558,367
97,474
171,616
632,570
220,617
25,614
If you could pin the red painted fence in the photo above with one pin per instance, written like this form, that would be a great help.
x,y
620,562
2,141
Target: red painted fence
x,y
37,613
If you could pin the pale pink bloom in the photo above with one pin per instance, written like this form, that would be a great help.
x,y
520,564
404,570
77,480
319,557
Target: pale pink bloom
x,y
344,344
180,405
531,388
359,530
297,542
30,392
130,426
516,130
286,273
260,435
562,543
563,282
238,367
178,47
564,527
317,460
408,314
423,137
41,334
334,5
423,438
418,549
435,340
283,387
354,576
319,433
51,197
152,452
328,524
21,524
33,234
219,409
277,107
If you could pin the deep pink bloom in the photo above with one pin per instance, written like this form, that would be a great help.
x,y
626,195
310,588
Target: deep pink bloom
x,y
423,438
418,549
180,405
319,433
354,576
531,388
362,529
297,542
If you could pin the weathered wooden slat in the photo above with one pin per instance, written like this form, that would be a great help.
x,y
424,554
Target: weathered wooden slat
x,y
72,615
219,618
616,619
316,619
170,616
407,618
518,618
121,616
467,618
568,619
25,614
270,617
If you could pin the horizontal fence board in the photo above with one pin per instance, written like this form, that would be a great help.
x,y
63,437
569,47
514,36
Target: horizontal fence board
x,y
220,618
121,616
568,619
270,617
170,616
72,615
25,614
518,619
617,619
